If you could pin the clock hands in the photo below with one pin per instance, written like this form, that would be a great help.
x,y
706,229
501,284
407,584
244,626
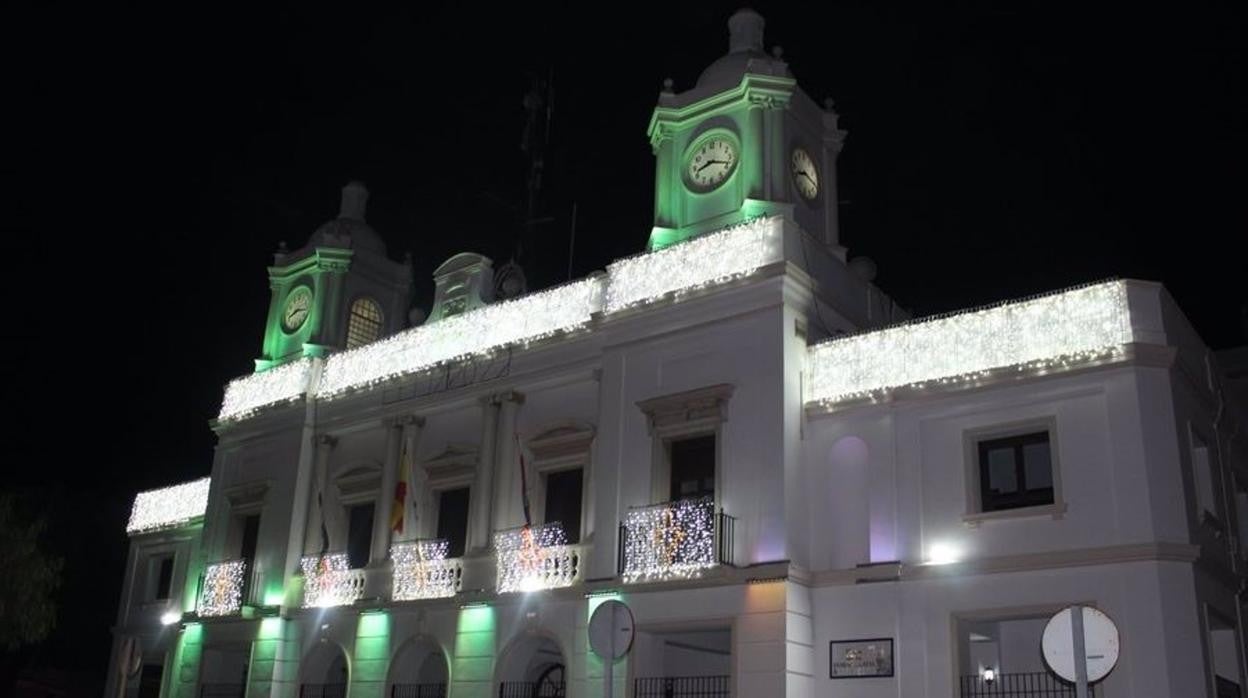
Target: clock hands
x,y
708,163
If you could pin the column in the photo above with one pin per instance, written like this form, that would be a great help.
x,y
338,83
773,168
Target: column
x,y
418,495
507,495
754,152
389,478
304,476
482,498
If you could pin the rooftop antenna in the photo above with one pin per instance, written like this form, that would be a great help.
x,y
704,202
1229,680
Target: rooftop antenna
x,y
539,107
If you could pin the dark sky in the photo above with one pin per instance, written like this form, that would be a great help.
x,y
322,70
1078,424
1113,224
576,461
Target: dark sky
x,y
157,156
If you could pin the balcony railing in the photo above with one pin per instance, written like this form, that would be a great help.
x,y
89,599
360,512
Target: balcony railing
x,y
422,571
681,687
1040,684
323,690
674,540
418,690
223,588
534,558
530,689
328,580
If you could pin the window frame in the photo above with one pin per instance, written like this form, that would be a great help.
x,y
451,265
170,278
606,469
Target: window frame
x,y
971,442
690,414
351,316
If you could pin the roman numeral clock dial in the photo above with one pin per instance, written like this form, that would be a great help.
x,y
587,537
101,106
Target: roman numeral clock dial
x,y
710,164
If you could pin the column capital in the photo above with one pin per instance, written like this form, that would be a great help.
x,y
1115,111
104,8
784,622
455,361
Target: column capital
x,y
327,440
510,396
401,420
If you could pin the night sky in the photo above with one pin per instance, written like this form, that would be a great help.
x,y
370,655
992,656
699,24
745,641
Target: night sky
x,y
157,157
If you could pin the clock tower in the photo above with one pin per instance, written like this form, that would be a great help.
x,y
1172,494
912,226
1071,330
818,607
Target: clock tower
x,y
338,291
745,141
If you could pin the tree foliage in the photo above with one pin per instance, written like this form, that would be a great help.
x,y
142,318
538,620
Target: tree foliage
x,y
29,576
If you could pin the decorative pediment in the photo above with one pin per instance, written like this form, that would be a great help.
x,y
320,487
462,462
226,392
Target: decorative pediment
x,y
247,495
680,411
359,482
455,465
564,443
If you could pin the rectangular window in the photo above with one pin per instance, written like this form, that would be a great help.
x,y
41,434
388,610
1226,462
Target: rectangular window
x,y
251,533
693,467
1015,471
563,501
360,535
453,519
164,576
1202,473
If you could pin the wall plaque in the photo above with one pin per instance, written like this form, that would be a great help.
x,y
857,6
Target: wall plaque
x,y
861,659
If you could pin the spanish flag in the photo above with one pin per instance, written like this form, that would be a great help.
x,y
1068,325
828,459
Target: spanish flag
x,y
400,493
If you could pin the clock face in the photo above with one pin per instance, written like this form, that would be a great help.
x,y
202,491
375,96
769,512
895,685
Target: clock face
x,y
805,176
298,304
711,163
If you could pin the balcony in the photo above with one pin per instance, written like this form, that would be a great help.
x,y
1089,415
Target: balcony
x,y
328,580
223,588
1038,684
531,558
674,540
422,571
681,687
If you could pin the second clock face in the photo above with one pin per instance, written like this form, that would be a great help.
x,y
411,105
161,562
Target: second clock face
x,y
805,176
298,305
711,163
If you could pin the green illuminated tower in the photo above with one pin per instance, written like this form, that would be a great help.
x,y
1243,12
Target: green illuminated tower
x,y
744,141
338,291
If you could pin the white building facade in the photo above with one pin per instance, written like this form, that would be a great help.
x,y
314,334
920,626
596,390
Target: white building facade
x,y
735,432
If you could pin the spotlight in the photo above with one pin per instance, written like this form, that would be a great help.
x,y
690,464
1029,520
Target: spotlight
x,y
170,617
989,675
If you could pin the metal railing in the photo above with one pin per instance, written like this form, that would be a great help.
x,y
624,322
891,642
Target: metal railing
x,y
530,689
323,690
1039,684
681,687
674,539
222,690
418,690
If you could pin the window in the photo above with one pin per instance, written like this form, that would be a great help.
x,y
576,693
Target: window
x,y
453,519
162,577
1202,474
251,532
359,535
1015,472
563,501
692,467
363,323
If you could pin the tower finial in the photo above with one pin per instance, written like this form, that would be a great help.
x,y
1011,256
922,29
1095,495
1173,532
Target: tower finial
x,y
354,201
745,31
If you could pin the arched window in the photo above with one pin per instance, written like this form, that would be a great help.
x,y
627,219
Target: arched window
x,y
364,322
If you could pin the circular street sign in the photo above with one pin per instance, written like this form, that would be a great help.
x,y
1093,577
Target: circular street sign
x,y
611,630
1100,644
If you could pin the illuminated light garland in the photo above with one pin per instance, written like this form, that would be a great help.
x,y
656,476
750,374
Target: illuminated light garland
x,y
422,570
168,507
279,385
223,588
517,322
330,581
673,540
696,263
534,558
1053,331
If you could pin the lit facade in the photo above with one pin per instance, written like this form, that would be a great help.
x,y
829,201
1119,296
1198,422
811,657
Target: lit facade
x,y
683,432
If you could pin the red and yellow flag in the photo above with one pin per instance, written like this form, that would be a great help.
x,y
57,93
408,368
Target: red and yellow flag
x,y
399,506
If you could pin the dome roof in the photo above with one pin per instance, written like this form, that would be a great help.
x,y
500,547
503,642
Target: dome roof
x,y
745,54
349,230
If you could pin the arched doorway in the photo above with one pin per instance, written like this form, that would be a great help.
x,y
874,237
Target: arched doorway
x,y
418,670
533,667
324,673
223,670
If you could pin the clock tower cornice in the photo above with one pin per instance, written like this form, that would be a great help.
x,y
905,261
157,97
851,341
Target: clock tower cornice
x,y
768,91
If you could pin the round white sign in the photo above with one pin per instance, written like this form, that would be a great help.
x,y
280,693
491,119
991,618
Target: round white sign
x,y
611,630
1100,644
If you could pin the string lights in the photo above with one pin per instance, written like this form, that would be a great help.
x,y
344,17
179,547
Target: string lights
x,y
699,262
669,541
223,588
477,332
168,507
422,571
535,557
1052,331
278,385
330,581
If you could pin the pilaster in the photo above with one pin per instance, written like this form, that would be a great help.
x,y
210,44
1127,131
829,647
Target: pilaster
x,y
508,504
482,497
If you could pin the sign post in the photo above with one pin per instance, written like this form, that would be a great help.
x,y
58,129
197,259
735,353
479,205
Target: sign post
x,y
610,637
